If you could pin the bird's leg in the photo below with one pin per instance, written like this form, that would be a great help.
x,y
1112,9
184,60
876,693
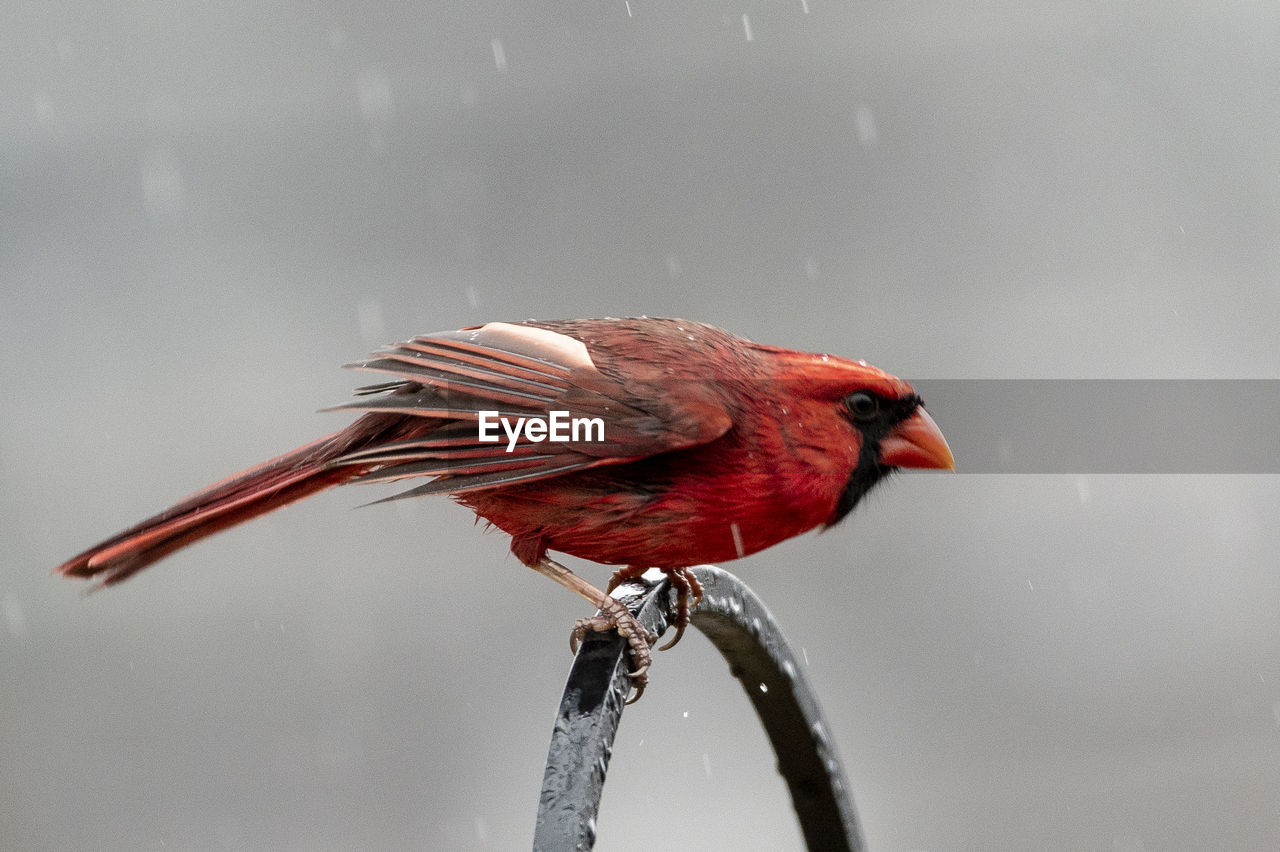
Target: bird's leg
x,y
612,615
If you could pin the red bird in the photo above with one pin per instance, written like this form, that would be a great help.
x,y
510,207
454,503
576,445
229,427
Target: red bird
x,y
682,444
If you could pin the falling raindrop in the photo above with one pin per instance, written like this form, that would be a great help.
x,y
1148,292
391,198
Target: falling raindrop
x,y
811,268
14,617
43,107
373,329
499,54
737,539
746,28
163,194
377,106
865,123
373,90
674,270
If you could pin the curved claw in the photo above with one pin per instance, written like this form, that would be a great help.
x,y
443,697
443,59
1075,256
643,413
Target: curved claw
x,y
679,633
688,596
635,696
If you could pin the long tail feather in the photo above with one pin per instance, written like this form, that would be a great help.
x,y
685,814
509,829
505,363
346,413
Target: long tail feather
x,y
232,501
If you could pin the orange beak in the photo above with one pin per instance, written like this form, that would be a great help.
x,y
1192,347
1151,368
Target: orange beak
x,y
916,442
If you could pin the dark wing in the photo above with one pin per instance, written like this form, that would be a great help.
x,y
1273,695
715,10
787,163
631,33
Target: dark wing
x,y
518,371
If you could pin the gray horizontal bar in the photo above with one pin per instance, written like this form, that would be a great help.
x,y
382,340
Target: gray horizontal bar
x,y
1108,426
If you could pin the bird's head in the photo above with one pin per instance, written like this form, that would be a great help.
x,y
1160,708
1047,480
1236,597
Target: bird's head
x,y
892,428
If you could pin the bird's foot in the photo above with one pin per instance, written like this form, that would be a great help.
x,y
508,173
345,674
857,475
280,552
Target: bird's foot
x,y
688,594
614,615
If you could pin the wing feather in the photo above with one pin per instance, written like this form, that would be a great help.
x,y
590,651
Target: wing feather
x,y
486,481
518,371
439,374
519,367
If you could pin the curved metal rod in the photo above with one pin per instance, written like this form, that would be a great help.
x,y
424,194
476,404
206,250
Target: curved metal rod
x,y
741,627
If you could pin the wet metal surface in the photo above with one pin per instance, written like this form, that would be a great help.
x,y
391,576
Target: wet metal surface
x,y
742,629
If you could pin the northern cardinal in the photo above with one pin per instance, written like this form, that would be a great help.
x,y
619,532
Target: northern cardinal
x,y
682,444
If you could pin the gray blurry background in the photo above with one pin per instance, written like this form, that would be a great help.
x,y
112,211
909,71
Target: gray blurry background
x,y
207,208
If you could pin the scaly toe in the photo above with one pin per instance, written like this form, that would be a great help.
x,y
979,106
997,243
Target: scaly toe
x,y
617,617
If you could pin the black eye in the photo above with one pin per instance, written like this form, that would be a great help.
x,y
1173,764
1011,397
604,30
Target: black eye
x,y
863,406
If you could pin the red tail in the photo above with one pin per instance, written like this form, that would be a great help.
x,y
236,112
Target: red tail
x,y
238,498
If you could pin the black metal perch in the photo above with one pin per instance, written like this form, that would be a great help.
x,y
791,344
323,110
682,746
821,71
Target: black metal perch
x,y
739,625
